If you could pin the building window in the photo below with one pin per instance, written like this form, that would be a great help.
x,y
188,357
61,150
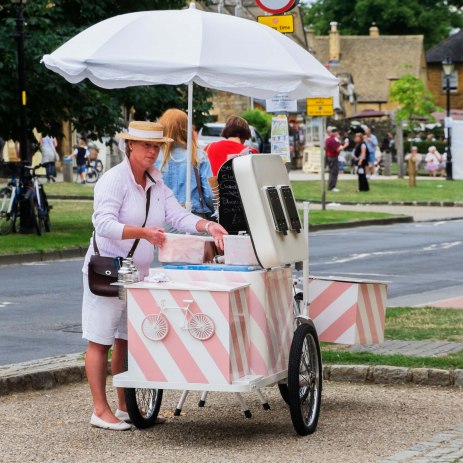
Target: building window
x,y
453,81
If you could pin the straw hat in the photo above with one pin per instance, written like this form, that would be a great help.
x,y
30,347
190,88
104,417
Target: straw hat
x,y
145,131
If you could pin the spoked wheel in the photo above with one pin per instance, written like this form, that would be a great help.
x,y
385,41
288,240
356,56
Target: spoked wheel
x,y
143,406
305,379
283,388
201,326
7,220
92,175
37,216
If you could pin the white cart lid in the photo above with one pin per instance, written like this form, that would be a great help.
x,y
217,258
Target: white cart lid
x,y
259,177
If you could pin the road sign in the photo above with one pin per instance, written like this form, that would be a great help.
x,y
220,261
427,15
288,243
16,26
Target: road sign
x,y
281,103
281,23
275,6
320,107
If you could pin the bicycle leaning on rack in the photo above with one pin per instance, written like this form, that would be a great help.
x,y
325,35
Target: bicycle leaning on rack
x,y
13,196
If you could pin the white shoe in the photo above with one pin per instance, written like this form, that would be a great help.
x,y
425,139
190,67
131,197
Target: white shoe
x,y
99,423
335,190
124,416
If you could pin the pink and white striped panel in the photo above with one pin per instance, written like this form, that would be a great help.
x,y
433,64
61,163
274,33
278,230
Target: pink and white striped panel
x,y
270,328
348,312
179,357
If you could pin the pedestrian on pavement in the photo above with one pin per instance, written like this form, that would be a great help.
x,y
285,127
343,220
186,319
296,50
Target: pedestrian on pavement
x,y
48,146
81,154
371,142
120,208
235,132
172,162
433,161
360,155
332,149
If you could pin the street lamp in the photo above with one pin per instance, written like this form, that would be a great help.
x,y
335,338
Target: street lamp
x,y
448,67
19,36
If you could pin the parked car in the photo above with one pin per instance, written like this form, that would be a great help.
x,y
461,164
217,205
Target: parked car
x,y
210,133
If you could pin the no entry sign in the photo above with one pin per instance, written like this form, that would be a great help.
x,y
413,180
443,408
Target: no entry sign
x,y
276,6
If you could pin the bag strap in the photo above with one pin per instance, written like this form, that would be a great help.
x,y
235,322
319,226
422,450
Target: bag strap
x,y
148,200
200,189
135,244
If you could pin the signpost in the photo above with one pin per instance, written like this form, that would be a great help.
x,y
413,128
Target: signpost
x,y
281,104
281,23
321,107
276,6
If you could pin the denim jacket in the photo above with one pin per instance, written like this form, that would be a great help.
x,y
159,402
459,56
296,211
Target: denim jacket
x,y
174,176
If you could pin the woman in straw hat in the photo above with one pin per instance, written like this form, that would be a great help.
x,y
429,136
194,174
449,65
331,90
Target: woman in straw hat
x,y
119,212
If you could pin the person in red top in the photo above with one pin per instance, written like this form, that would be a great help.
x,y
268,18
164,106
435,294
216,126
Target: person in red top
x,y
235,132
332,150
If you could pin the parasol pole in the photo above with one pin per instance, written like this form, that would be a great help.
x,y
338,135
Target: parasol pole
x,y
190,142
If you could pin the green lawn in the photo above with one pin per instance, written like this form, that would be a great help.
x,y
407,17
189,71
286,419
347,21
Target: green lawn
x,y
72,189
318,217
70,227
408,323
448,362
382,190
424,323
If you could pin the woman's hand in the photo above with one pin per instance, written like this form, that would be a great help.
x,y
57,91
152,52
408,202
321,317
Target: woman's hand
x,y
155,235
217,232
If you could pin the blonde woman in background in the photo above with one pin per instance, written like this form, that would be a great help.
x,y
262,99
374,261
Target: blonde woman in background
x,y
172,163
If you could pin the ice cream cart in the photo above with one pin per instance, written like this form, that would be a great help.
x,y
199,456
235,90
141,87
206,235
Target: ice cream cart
x,y
230,327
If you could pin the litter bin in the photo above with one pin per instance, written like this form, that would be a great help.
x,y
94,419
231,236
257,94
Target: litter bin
x,y
67,170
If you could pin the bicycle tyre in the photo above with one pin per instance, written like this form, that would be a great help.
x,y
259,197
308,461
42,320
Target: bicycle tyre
x,y
92,174
98,164
37,217
7,221
305,379
45,210
142,417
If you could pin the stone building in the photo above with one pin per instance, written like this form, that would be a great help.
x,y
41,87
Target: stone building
x,y
367,65
452,48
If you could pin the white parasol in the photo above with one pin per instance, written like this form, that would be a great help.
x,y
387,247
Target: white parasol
x,y
175,47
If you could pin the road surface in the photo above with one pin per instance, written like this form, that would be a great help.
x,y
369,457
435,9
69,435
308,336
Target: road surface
x,y
40,303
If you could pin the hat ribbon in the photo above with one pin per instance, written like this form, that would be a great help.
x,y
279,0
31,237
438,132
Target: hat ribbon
x,y
146,133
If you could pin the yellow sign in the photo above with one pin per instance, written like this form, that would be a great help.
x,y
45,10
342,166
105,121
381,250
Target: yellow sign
x,y
317,107
281,23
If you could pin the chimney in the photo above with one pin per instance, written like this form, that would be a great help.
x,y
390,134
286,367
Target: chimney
x,y
374,31
310,33
335,43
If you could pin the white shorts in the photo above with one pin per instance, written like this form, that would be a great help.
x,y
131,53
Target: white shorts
x,y
103,318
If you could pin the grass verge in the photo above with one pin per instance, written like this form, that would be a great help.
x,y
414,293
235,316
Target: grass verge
x,y
408,323
71,226
382,190
69,189
449,362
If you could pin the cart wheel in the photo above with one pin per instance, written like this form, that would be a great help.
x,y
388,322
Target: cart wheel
x,y
284,392
201,326
155,327
305,379
143,406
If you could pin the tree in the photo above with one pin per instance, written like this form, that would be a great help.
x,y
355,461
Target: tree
x,y
414,98
51,98
432,18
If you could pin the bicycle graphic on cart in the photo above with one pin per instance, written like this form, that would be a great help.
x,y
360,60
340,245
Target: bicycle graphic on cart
x,y
200,326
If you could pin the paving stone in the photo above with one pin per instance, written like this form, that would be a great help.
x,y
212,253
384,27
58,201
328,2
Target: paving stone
x,y
402,456
420,375
43,380
19,383
390,375
68,375
438,377
353,373
458,378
